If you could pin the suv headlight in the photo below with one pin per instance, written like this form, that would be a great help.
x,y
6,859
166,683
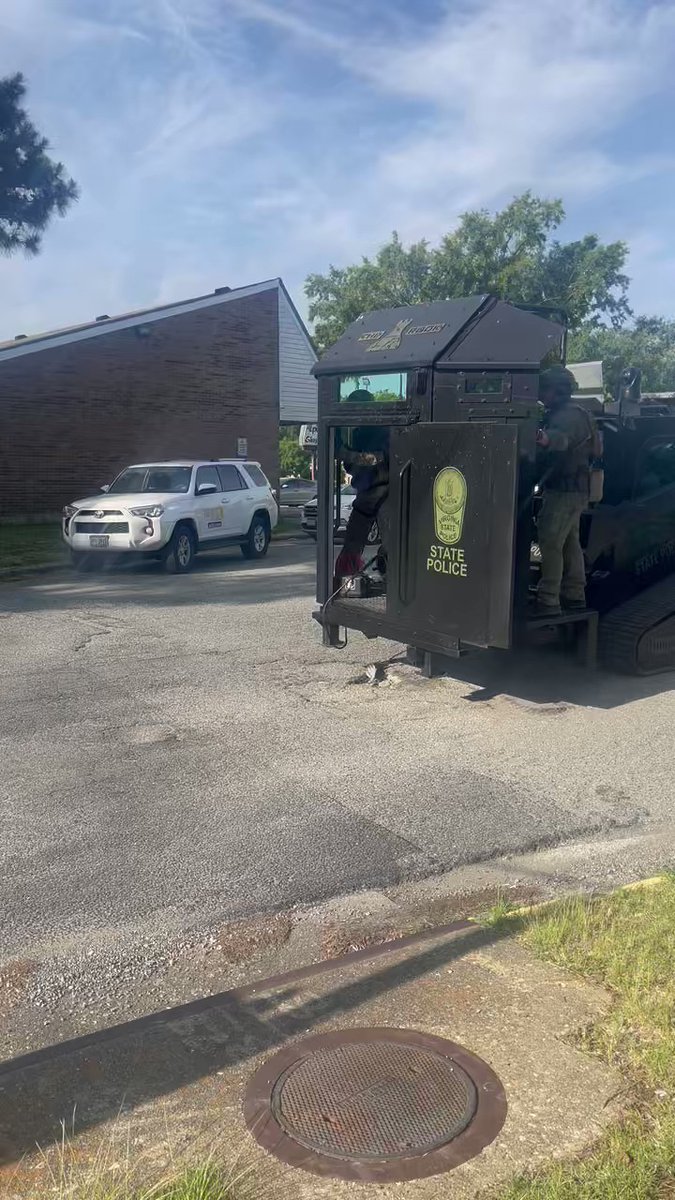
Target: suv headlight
x,y
68,510
148,510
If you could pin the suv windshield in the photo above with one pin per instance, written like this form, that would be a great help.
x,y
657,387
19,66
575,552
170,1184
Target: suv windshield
x,y
152,479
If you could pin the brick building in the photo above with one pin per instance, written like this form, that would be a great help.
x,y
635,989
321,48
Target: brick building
x,y
185,379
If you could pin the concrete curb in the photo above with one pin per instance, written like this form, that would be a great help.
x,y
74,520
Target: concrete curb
x,y
45,568
649,884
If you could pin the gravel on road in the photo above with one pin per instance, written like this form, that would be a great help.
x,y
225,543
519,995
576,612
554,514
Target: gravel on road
x,y
182,751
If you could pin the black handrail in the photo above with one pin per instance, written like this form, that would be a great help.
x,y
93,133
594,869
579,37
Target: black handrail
x,y
404,530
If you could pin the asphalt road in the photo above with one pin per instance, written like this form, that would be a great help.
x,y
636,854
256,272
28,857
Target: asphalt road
x,y
180,750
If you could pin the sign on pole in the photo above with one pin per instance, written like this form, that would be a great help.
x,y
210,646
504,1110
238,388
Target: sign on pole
x,y
309,437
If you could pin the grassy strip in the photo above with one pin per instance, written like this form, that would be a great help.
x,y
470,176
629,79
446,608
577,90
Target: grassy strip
x,y
30,545
286,527
625,942
201,1183
117,1172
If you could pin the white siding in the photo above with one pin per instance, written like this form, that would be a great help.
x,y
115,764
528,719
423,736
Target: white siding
x,y
297,388
588,376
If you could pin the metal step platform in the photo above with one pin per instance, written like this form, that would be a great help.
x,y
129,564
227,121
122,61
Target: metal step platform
x,y
582,623
434,654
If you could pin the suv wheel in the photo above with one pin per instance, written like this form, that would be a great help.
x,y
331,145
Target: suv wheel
x,y
180,554
258,540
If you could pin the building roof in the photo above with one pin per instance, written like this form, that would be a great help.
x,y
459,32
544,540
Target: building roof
x,y
28,344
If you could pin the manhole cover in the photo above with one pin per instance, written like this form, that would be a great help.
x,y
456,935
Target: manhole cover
x,y
374,1100
375,1105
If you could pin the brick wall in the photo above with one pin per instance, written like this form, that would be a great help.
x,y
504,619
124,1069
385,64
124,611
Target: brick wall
x,y
72,416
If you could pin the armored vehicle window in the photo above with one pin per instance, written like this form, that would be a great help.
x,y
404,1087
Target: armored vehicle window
x,y
656,468
390,388
483,384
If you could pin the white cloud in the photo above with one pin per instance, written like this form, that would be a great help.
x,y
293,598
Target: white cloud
x,y
39,29
517,93
651,266
498,96
206,156
288,20
196,119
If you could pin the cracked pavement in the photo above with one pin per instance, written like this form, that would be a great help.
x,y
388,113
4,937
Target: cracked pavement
x,y
182,750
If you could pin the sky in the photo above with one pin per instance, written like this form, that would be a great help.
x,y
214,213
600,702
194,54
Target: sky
x,y
223,142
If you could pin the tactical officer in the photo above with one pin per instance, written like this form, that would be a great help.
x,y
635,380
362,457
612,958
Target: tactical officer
x,y
568,436
366,459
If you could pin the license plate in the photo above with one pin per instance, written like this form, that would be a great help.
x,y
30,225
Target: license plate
x,y
100,543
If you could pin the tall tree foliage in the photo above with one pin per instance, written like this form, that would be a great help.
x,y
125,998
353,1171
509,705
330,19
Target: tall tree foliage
x,y
512,253
32,186
648,344
293,460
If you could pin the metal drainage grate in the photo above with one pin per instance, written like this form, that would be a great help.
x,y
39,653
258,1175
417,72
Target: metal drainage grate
x,y
375,1105
374,1100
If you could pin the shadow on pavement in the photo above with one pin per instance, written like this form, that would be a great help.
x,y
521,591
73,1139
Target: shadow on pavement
x,y
287,572
138,1062
543,677
548,678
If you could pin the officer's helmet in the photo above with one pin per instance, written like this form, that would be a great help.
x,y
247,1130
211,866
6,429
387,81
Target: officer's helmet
x,y
557,381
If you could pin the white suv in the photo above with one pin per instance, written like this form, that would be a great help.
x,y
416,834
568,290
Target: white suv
x,y
171,510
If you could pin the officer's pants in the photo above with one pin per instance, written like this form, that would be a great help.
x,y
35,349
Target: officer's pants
x,y
370,505
563,573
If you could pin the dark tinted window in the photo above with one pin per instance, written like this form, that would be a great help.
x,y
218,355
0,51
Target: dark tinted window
x,y
261,480
152,479
656,469
484,385
231,479
207,475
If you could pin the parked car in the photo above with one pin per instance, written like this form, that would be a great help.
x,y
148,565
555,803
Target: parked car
x,y
171,511
296,492
347,497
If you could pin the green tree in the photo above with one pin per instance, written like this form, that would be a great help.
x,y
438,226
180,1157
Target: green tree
x,y
292,459
512,254
397,276
32,186
386,397
649,343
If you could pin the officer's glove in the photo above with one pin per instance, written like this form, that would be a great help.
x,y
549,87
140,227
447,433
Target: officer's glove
x,y
348,564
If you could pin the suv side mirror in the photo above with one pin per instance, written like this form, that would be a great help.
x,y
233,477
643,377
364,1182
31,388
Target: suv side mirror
x,y
106,487
206,489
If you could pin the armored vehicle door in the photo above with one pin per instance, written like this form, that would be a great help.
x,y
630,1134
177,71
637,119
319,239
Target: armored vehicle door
x,y
453,491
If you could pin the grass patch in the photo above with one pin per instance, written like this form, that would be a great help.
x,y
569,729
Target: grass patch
x,y
625,942
498,912
117,1170
286,527
634,1162
209,1182
30,545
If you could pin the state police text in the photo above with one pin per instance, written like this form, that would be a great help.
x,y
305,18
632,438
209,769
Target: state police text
x,y
447,560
